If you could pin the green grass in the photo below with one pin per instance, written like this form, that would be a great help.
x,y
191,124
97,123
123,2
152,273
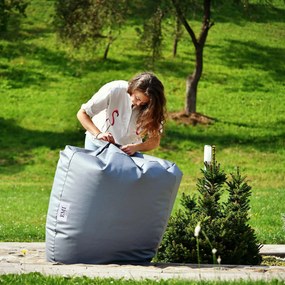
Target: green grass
x,y
43,83
35,278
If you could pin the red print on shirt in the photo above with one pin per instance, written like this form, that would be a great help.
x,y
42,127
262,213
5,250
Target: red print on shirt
x,y
110,122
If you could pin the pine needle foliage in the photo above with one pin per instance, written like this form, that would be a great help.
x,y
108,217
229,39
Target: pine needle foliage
x,y
225,232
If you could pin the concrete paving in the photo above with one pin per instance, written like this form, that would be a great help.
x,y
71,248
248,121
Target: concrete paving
x,y
20,258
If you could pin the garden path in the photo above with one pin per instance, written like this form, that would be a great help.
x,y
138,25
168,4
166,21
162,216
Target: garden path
x,y
20,258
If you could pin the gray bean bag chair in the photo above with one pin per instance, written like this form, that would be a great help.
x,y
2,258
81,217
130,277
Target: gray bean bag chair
x,y
108,207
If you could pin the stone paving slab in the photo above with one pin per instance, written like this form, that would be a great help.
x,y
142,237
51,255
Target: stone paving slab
x,y
273,250
19,258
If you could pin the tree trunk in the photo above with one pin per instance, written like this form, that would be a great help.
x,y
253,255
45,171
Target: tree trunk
x,y
106,51
175,44
191,95
177,36
192,83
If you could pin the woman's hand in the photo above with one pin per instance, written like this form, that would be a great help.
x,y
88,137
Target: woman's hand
x,y
149,144
108,137
129,149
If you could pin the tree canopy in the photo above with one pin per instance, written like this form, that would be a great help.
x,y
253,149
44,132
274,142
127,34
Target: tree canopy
x,y
11,8
85,22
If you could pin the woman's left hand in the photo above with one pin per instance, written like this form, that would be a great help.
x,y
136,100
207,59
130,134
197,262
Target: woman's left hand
x,y
129,149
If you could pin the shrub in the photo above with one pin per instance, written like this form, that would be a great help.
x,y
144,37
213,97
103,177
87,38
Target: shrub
x,y
225,231
9,9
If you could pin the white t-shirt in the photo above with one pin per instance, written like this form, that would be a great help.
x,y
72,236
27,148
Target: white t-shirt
x,y
111,110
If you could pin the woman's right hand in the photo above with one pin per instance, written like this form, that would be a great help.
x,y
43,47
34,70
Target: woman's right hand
x,y
108,137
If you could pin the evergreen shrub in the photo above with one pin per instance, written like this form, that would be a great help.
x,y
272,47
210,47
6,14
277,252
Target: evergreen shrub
x,y
222,232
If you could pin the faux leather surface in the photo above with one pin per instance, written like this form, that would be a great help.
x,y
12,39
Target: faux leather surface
x,y
108,207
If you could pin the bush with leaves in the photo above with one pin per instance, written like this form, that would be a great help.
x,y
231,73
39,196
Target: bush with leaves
x,y
224,232
87,23
8,9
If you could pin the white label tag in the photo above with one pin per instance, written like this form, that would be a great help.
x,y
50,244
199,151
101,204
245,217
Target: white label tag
x,y
63,211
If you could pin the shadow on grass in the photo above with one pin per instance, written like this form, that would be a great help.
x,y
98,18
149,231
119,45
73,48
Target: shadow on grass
x,y
244,54
249,55
175,136
17,142
46,65
255,12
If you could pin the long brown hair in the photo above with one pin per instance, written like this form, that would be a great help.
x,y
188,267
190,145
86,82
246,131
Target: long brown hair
x,y
151,116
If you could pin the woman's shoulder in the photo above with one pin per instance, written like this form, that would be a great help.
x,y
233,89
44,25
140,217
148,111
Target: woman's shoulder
x,y
113,88
118,89
118,84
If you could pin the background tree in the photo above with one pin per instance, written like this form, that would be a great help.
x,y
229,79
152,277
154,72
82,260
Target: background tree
x,y
178,11
178,32
151,34
86,23
148,19
9,8
199,43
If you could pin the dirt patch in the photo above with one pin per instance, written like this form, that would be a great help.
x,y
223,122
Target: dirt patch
x,y
190,119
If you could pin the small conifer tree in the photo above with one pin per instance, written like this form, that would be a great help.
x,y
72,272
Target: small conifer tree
x,y
225,231
244,249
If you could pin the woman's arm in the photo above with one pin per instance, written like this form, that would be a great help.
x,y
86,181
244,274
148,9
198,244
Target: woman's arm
x,y
149,144
88,125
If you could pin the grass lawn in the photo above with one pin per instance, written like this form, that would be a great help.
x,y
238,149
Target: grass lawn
x,y
43,83
35,278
